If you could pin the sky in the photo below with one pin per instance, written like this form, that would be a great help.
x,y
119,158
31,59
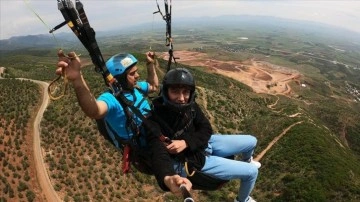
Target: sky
x,y
17,17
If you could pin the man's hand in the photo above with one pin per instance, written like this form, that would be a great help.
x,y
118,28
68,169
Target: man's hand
x,y
176,146
173,183
152,77
150,57
69,65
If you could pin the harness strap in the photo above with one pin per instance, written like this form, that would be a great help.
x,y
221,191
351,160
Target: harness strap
x,y
78,22
169,130
126,159
124,144
113,135
126,104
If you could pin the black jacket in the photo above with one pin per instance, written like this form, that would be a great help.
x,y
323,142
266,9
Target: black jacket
x,y
169,120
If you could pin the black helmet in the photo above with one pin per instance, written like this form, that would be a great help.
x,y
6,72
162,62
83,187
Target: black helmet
x,y
178,76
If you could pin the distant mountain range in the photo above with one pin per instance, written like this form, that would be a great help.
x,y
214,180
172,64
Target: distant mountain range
x,y
229,21
33,41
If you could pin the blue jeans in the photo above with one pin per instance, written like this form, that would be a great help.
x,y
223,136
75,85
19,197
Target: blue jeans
x,y
226,145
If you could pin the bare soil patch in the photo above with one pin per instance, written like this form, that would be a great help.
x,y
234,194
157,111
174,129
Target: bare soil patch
x,y
261,76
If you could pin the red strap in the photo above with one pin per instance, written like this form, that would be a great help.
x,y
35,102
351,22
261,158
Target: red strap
x,y
126,160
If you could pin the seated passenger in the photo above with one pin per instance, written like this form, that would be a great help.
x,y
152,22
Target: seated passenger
x,y
184,136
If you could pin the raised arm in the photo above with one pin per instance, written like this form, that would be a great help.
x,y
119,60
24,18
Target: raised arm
x,y
152,77
70,66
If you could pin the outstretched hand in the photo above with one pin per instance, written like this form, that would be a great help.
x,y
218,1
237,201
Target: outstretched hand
x,y
173,183
69,65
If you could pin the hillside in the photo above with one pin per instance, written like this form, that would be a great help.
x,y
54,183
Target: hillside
x,y
309,139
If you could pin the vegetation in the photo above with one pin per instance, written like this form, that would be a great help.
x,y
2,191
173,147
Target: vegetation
x,y
318,159
19,100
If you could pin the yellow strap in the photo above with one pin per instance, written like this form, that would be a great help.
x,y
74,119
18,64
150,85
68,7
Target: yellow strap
x,y
52,94
187,170
66,82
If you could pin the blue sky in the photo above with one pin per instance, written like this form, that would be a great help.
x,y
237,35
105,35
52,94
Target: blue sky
x,y
16,17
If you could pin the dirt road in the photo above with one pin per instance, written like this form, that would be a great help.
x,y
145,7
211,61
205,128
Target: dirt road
x,y
41,171
258,157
